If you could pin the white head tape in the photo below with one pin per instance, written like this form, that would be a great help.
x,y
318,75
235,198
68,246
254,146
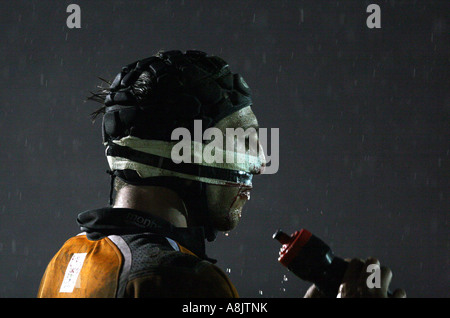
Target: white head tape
x,y
194,153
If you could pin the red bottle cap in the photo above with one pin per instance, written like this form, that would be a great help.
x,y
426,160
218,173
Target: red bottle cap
x,y
291,244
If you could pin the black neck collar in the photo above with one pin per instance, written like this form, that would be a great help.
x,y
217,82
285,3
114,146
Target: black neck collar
x,y
106,221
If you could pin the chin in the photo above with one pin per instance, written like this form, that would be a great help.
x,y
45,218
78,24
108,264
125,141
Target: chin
x,y
226,216
228,222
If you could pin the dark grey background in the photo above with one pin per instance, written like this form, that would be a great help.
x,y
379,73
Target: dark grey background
x,y
363,117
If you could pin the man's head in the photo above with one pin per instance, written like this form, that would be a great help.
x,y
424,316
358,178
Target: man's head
x,y
226,202
151,98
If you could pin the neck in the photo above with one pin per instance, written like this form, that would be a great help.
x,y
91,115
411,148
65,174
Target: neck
x,y
157,201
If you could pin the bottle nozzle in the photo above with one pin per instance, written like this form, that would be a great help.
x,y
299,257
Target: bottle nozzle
x,y
281,237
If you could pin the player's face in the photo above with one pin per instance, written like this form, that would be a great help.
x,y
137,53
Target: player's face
x,y
225,203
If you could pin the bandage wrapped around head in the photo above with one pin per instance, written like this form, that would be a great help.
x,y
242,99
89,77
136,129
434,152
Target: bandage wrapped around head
x,y
150,98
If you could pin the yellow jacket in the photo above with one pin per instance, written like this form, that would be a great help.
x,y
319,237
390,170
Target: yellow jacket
x,y
125,253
